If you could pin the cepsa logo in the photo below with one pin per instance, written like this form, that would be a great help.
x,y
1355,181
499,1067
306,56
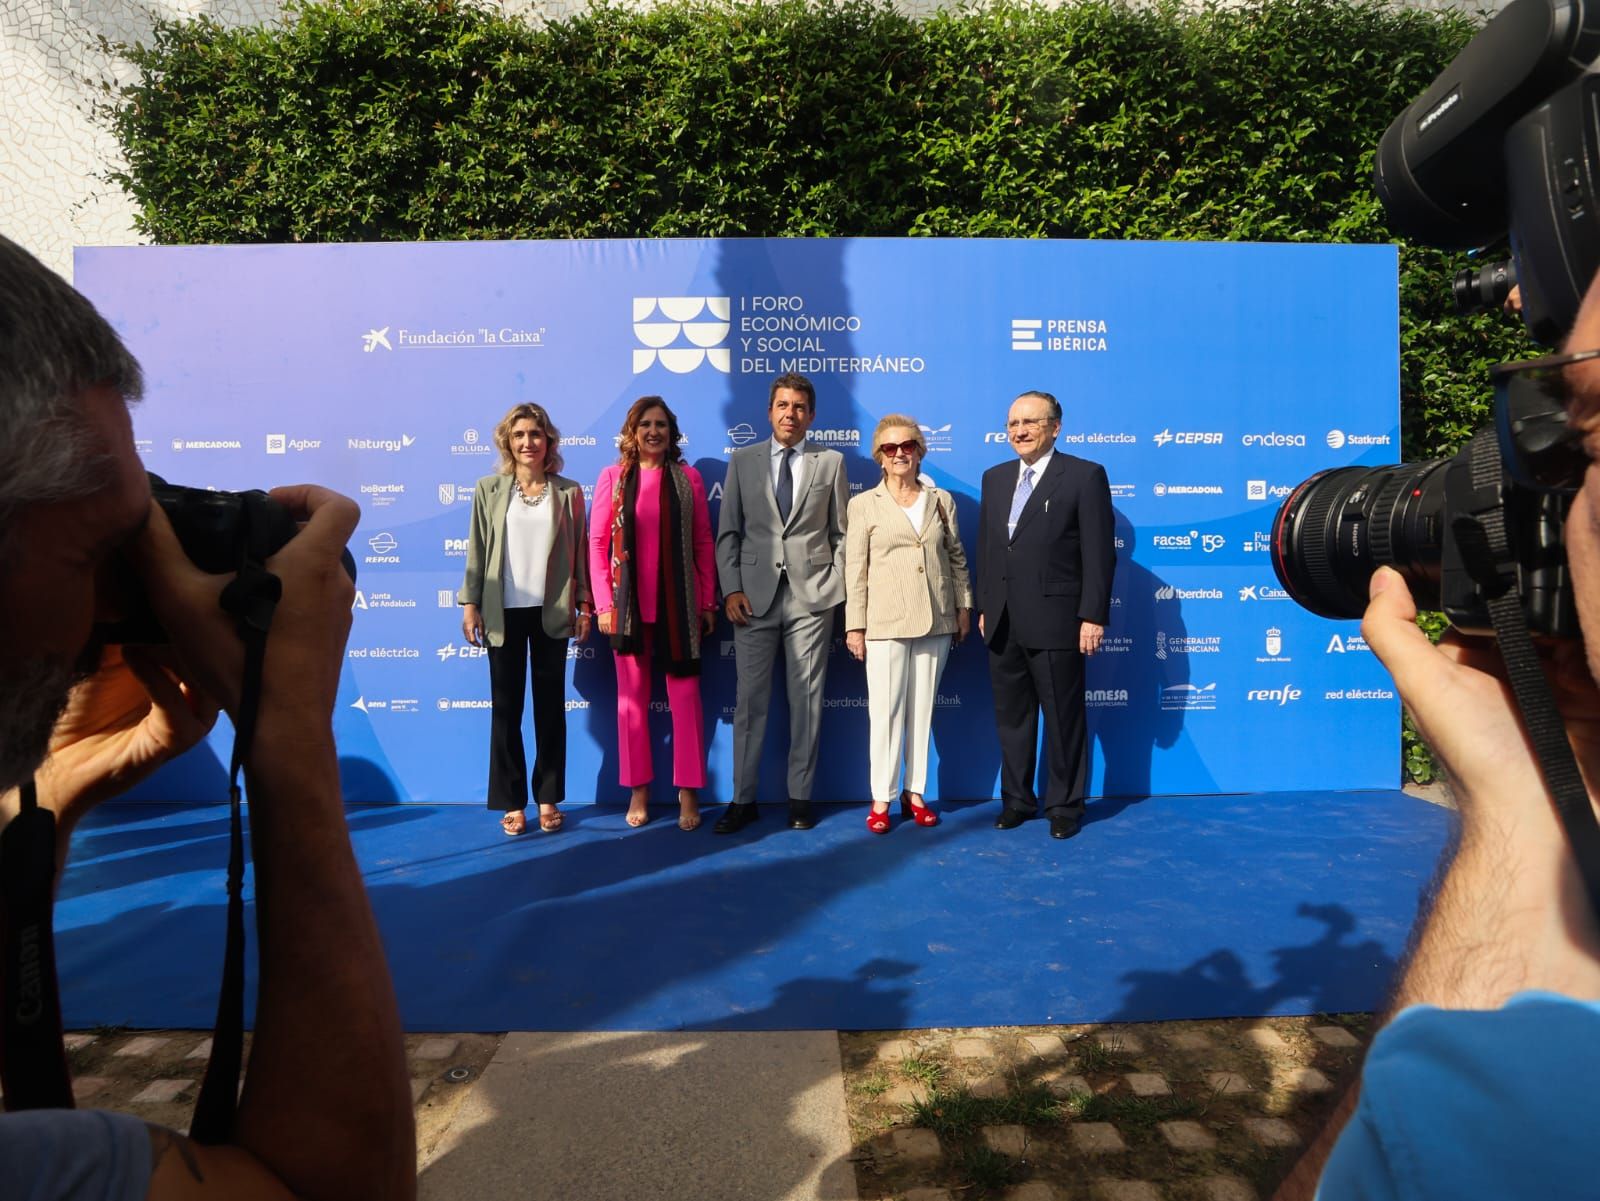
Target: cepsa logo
x,y
1188,438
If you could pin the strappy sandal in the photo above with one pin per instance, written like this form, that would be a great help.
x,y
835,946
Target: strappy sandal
x,y
513,823
551,822
688,821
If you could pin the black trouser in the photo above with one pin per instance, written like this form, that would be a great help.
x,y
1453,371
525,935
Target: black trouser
x,y
508,763
1026,683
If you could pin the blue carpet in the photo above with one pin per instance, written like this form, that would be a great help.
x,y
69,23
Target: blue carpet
x,y
1171,907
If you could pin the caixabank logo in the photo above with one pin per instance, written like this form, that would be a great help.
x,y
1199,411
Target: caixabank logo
x,y
682,333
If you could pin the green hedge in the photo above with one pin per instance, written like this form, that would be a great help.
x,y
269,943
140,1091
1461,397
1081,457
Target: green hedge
x,y
404,119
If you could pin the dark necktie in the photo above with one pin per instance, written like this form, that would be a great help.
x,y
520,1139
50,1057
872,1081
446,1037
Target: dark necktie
x,y
785,492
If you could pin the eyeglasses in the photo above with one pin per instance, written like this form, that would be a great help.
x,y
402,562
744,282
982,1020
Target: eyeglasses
x,y
890,450
1029,423
1539,448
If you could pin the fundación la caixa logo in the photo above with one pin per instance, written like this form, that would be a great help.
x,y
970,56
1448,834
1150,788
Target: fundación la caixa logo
x,y
681,333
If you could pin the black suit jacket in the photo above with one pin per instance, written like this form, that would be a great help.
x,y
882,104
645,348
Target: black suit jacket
x,y
1056,571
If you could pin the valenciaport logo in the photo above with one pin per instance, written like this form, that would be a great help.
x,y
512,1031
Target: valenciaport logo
x,y
1188,438
1273,439
383,544
937,438
1286,695
1189,696
1105,698
1338,439
681,333
471,444
207,444
1187,489
1251,592
1169,592
386,445
1347,644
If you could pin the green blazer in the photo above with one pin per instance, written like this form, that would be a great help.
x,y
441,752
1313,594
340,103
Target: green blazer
x,y
566,581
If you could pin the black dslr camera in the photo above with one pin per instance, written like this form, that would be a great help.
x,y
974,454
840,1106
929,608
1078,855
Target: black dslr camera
x,y
219,531
1505,141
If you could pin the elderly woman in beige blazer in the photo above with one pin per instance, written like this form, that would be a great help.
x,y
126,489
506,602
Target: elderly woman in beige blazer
x,y
907,598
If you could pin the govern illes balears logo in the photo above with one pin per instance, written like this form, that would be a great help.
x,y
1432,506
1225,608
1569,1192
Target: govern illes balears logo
x,y
682,333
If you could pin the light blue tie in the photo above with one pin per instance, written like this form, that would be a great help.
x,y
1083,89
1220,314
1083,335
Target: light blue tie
x,y
1018,499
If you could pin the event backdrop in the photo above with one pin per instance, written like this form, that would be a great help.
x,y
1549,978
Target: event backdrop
x,y
1207,378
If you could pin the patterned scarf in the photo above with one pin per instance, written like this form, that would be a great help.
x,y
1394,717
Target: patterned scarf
x,y
677,614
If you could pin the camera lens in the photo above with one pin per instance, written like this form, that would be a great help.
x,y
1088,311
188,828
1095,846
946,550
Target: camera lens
x,y
1339,526
1485,288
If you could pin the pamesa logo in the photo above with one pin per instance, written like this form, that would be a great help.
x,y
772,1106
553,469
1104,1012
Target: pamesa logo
x,y
665,323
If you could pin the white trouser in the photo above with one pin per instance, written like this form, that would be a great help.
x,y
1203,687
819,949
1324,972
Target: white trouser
x,y
902,683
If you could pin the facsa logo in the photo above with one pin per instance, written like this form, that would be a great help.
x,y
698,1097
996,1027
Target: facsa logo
x,y
1274,439
1252,592
375,338
1189,696
1189,438
742,433
677,320
1274,696
1354,643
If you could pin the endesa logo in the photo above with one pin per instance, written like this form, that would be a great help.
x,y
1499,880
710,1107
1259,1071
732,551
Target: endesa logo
x,y
1188,438
1273,439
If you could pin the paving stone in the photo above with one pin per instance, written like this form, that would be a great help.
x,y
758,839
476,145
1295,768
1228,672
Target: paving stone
x,y
77,1042
84,1087
1266,1038
418,1087
895,1050
915,1144
159,1092
1301,1080
145,1044
972,1048
1045,1046
1190,1040
1227,1082
1122,1042
988,1087
1335,1036
202,1050
1226,1188
1187,1136
904,1093
1271,1132
1124,1190
1063,1084
436,1048
928,1194
1148,1084
1007,1140
1032,1190
1097,1138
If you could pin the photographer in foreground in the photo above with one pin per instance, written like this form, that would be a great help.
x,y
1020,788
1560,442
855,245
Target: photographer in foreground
x,y
1480,1083
325,1110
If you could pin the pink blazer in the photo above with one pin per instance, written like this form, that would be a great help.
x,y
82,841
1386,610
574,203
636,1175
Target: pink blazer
x,y
647,537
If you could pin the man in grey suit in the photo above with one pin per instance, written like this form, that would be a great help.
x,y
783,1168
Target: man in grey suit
x,y
780,558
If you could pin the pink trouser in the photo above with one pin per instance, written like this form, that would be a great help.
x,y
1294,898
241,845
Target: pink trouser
x,y
633,722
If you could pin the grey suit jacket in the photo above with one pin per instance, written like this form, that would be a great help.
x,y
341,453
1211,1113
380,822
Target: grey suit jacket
x,y
566,581
900,582
753,543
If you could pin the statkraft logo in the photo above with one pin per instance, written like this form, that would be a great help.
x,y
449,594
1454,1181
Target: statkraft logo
x,y
682,333
1286,695
1251,592
1273,439
386,445
1189,696
1338,439
1188,438
1347,644
1168,592
1105,698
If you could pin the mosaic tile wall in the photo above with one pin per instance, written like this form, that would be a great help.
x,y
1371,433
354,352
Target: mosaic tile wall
x,y
53,152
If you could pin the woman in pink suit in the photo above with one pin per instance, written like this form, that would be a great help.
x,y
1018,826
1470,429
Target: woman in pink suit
x,y
654,576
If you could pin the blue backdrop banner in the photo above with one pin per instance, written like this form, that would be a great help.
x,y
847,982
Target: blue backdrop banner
x,y
1207,378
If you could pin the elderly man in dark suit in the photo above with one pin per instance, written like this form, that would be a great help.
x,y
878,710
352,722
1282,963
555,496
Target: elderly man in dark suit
x,y
1045,558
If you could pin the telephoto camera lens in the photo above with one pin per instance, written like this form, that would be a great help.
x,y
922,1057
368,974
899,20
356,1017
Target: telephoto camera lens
x,y
1339,526
1484,289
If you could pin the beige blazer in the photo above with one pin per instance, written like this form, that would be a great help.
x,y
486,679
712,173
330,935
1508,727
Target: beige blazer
x,y
566,581
899,582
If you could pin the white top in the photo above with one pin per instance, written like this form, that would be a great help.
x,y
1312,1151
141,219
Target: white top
x,y
529,532
915,513
797,466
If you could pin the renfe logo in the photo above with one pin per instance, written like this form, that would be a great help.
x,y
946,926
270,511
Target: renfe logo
x,y
1277,696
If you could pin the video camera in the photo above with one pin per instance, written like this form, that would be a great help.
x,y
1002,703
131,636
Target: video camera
x,y
1506,141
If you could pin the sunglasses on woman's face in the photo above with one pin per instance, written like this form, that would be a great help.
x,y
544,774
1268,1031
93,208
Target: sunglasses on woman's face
x,y
890,450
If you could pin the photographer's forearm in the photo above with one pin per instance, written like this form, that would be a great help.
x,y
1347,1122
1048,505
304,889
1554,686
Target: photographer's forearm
x,y
327,1102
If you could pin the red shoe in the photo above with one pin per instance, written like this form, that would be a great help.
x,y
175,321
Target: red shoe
x,y
877,822
921,814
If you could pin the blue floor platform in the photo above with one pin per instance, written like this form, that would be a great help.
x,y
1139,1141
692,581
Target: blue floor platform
x,y
1170,907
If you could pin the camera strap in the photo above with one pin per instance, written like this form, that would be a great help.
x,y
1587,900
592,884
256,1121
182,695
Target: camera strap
x,y
1485,542
251,598
33,1062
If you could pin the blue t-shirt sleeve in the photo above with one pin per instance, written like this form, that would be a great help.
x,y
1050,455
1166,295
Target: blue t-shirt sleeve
x,y
74,1155
1469,1103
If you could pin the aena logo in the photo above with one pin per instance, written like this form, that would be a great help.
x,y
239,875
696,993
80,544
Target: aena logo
x,y
659,322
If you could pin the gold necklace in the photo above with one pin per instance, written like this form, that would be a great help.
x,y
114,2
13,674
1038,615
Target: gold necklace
x,y
532,502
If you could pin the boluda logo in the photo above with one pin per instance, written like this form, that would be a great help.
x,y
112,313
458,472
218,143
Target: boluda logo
x,y
1275,696
1188,438
1274,439
471,444
681,333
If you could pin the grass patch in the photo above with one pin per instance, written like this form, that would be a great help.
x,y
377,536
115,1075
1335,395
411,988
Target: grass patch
x,y
1097,1056
1137,1113
925,1072
956,1112
872,1086
986,1171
